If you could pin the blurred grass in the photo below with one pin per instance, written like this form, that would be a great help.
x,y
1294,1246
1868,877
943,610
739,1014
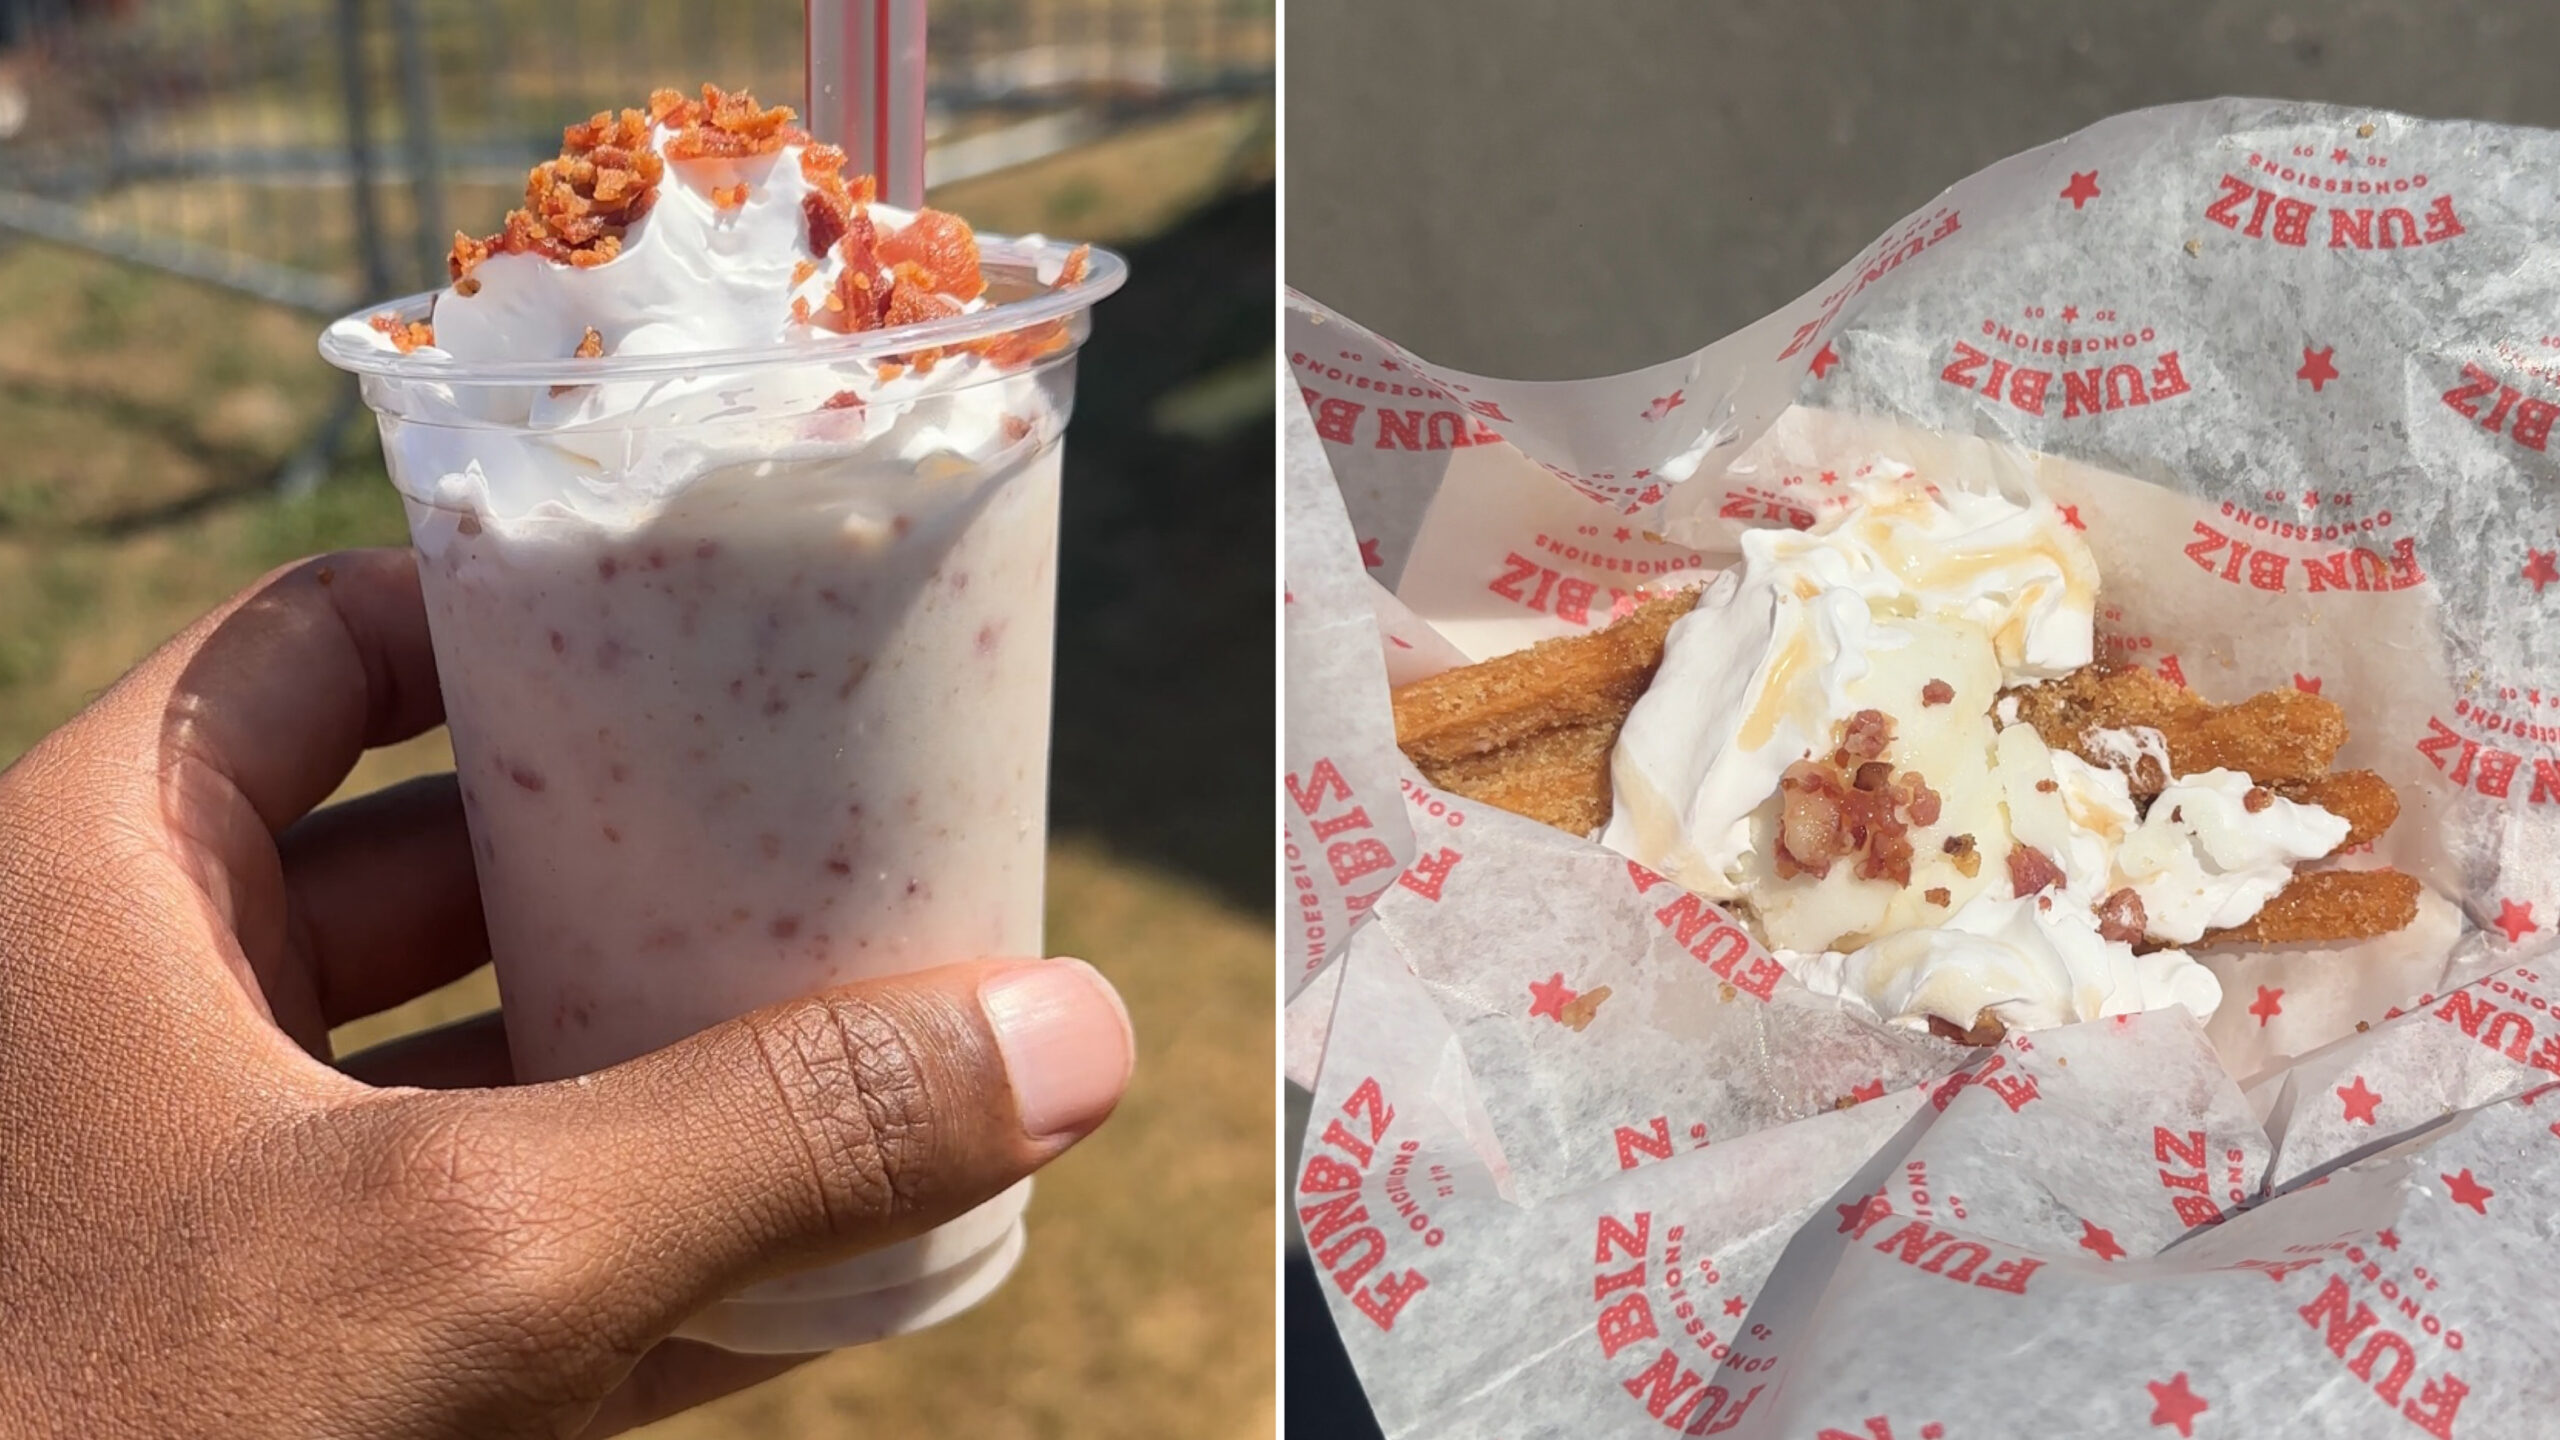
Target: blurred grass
x,y
145,419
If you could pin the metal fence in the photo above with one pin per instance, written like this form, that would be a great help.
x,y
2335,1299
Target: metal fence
x,y
318,153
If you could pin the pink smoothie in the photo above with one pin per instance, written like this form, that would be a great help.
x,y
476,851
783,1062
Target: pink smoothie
x,y
789,732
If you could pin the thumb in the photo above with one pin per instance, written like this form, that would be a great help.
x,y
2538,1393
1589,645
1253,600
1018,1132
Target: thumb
x,y
813,1130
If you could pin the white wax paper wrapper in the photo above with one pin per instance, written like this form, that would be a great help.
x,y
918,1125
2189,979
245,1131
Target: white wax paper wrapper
x,y
1585,1162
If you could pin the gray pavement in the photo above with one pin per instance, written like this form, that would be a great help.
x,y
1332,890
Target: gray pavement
x,y
1544,189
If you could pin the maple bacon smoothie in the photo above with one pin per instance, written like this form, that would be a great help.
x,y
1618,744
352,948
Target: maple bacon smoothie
x,y
735,499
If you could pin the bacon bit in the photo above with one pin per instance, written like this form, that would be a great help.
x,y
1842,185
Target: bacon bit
x,y
891,370
724,124
406,335
2046,787
2257,799
801,272
466,253
1867,734
912,297
2031,870
827,220
1016,429
1938,895
1937,692
799,310
944,252
842,400
1967,859
1828,812
1987,1030
1809,837
591,345
1079,260
576,207
2120,917
729,197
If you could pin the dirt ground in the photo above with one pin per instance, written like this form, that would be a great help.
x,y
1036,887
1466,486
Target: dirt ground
x,y
147,418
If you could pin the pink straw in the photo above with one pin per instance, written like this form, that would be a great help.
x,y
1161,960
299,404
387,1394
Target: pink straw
x,y
866,89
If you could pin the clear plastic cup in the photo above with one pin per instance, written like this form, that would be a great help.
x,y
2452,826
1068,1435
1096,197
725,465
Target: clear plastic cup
x,y
748,686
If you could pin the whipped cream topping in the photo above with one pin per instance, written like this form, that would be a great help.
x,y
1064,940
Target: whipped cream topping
x,y
1921,605
2204,859
2034,967
692,275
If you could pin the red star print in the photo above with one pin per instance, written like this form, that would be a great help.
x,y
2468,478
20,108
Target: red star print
x,y
1736,1306
1369,554
2082,189
1933,1431
2539,569
2390,1240
1856,1211
1872,1090
1625,534
2339,154
2268,1005
2360,1101
2071,516
1664,404
2099,1241
1643,475
1830,477
2516,919
2070,313
2316,367
1389,365
1550,997
2467,1191
2174,1404
1824,359
2307,684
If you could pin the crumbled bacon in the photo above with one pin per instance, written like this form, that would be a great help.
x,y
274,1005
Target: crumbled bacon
x,y
1016,429
406,335
590,345
2258,798
912,296
1852,806
943,250
1960,849
1867,734
1937,692
2046,787
729,197
842,400
1071,273
1938,895
801,272
827,221
723,124
576,207
1915,797
2031,870
1809,829
2120,917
